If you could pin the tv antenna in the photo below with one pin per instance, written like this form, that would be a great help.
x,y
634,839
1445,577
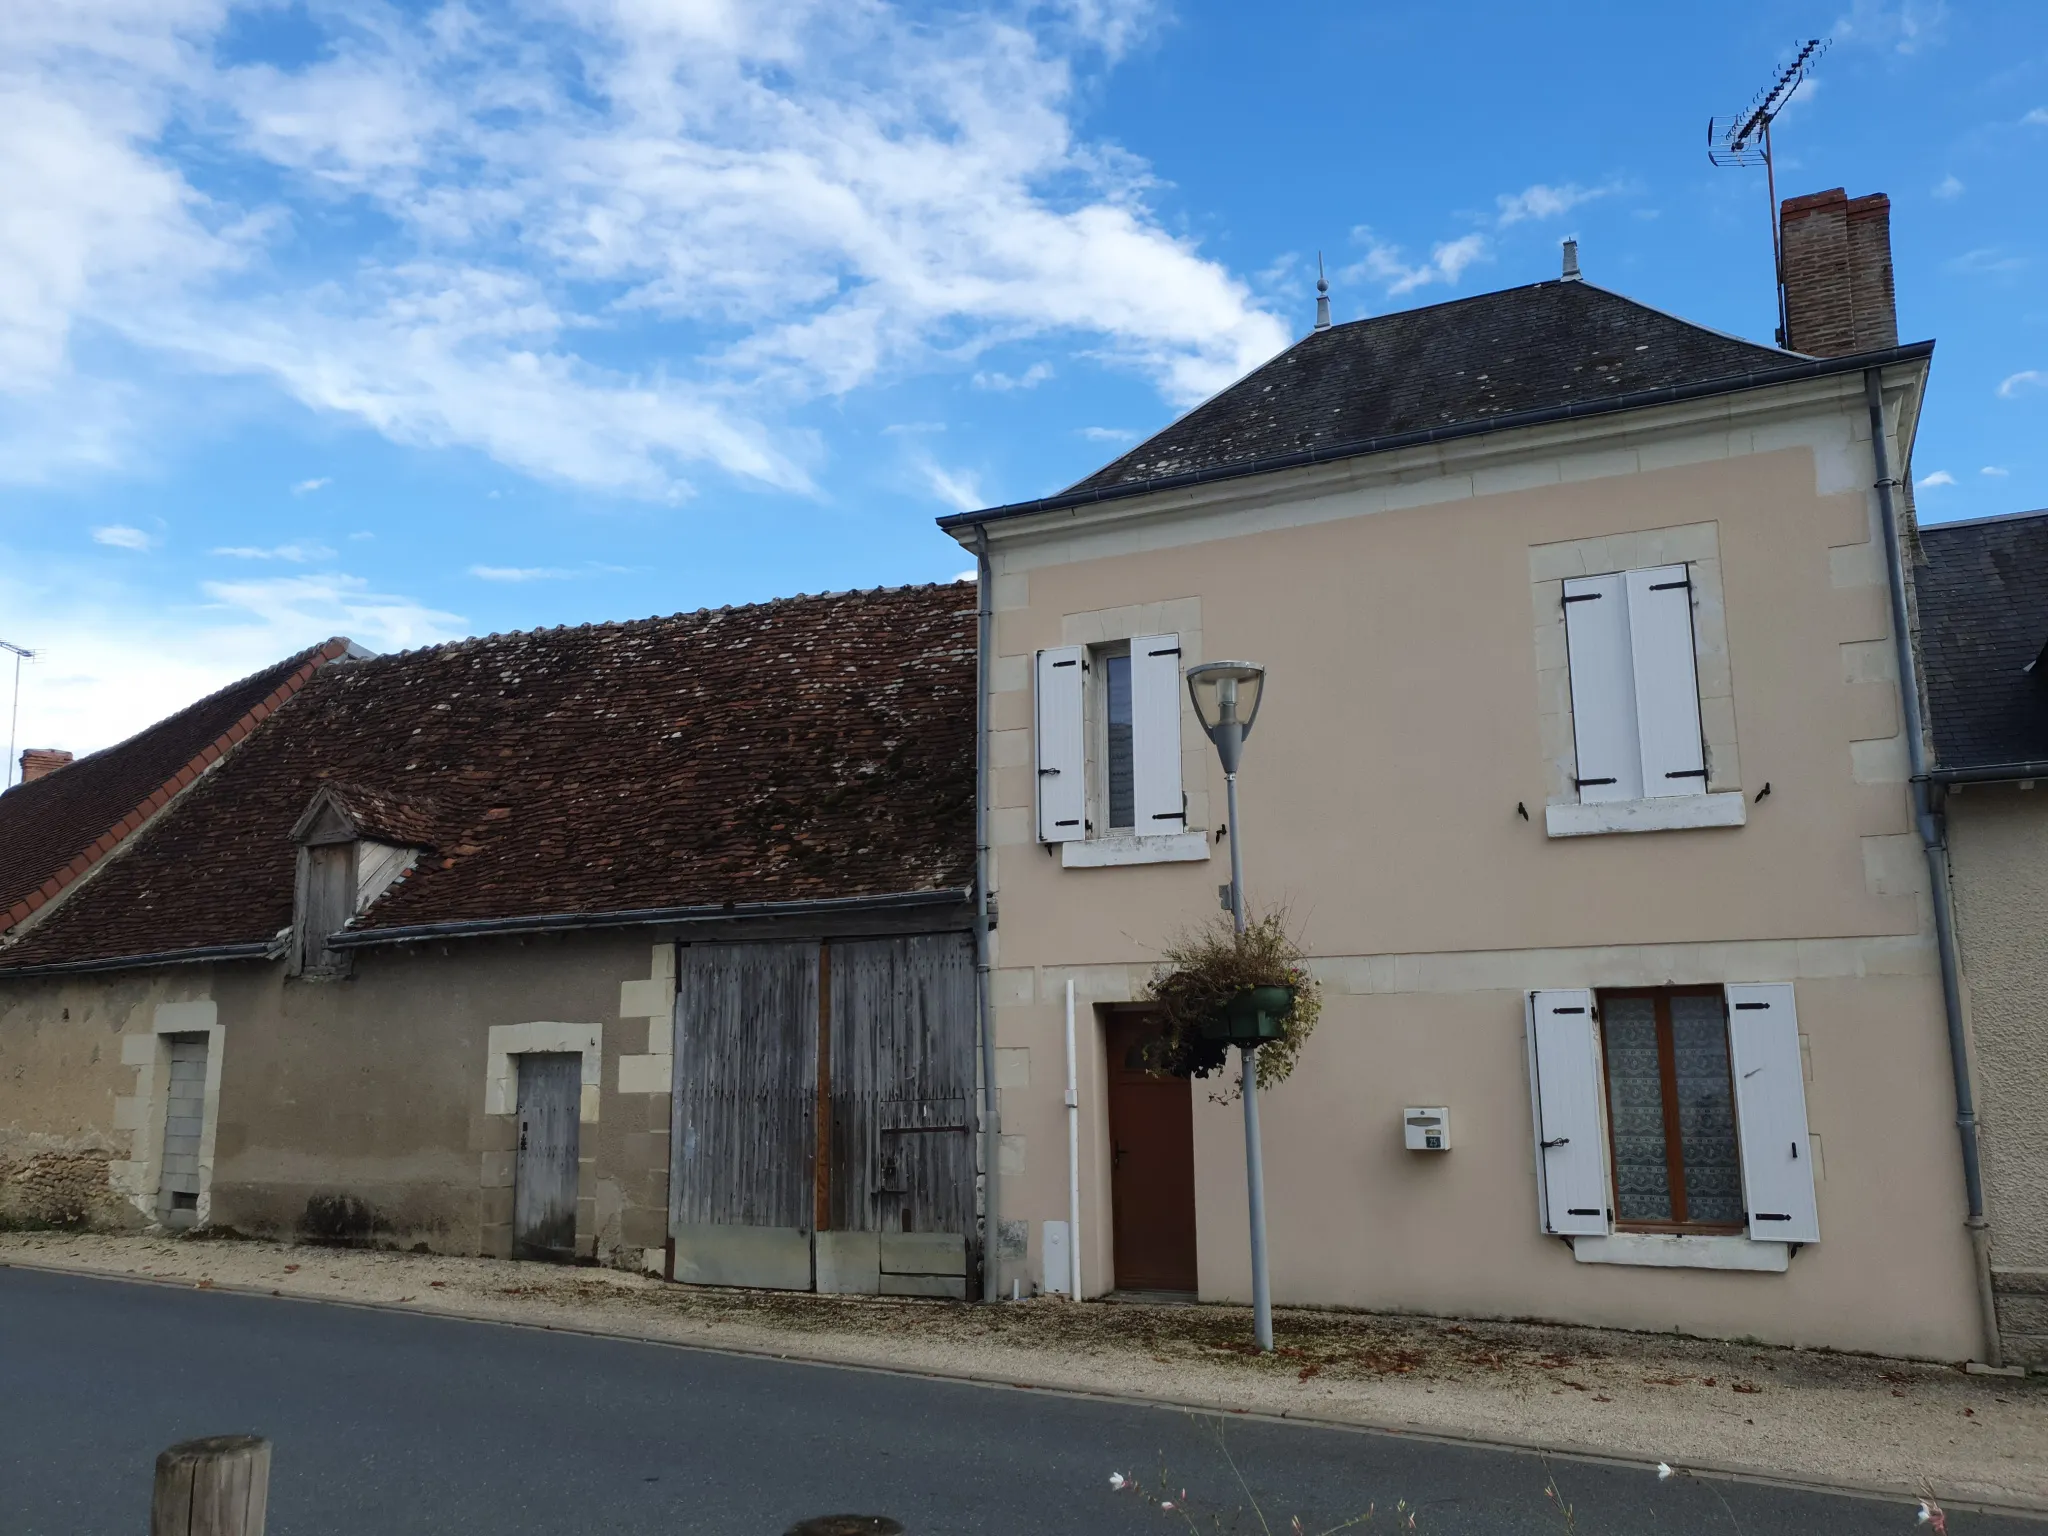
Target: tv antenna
x,y
1744,138
21,653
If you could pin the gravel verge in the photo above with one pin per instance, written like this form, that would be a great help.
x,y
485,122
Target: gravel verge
x,y
1810,1416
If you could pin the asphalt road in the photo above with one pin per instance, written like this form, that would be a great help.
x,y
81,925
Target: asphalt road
x,y
386,1424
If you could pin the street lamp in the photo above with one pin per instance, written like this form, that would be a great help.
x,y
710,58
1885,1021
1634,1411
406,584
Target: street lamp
x,y
1227,695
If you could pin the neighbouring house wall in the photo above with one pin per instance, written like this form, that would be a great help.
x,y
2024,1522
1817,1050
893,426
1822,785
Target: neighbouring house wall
x,y
1998,858
376,1109
1404,720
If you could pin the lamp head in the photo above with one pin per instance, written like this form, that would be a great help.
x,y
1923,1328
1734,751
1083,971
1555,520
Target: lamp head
x,y
1227,695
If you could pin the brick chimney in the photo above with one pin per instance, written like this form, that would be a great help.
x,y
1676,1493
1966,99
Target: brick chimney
x,y
40,762
1838,273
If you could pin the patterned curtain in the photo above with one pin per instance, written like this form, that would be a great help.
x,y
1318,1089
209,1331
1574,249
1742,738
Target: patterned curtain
x,y
1706,1110
1635,1106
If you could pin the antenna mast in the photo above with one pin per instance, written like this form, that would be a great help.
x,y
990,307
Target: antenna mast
x,y
1744,138
21,654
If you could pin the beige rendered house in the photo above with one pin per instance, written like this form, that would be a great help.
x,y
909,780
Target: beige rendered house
x,y
1983,618
1580,774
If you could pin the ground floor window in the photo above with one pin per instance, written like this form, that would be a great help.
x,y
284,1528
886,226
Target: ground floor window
x,y
1671,1109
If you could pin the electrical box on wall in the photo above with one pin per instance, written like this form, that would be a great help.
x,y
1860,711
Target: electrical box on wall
x,y
1426,1130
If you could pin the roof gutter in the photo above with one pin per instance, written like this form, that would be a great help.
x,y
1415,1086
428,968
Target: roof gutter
x,y
257,950
1934,846
1670,394
641,917
1992,773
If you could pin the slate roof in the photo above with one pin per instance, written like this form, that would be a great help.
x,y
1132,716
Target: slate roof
x,y
813,747
1554,343
54,829
1983,600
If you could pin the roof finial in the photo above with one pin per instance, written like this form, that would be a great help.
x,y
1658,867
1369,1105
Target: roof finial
x,y
1571,262
1322,296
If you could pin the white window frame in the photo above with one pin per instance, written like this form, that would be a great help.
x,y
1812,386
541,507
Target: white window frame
x,y
1761,1247
1645,732
1095,844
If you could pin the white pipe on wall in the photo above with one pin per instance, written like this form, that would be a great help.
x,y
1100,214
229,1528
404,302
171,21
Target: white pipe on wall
x,y
1073,1160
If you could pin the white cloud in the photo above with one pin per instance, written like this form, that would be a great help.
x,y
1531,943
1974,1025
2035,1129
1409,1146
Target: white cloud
x,y
968,575
2038,117
1949,186
1546,202
908,428
518,573
120,536
1986,260
1939,477
1108,434
797,198
1996,471
284,608
307,487
295,554
956,488
1900,26
1030,378
1446,264
2026,378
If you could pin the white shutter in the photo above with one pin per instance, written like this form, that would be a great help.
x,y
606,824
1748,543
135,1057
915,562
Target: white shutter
x,y
1062,763
1770,1114
1155,735
1564,1070
1603,688
1667,686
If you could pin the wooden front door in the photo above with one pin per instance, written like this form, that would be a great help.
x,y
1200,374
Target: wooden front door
x,y
1152,1165
544,1189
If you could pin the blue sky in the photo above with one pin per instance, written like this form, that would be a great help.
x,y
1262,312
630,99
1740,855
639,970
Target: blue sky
x,y
415,321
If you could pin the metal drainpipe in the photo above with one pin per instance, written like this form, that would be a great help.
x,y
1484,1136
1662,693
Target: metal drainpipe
x,y
1932,842
984,1001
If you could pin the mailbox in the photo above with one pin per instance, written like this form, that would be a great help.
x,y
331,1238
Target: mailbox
x,y
1426,1130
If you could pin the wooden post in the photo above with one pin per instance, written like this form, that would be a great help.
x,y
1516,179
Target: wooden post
x,y
219,1486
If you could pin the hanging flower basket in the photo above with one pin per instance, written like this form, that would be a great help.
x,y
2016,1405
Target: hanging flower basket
x,y
1218,988
1253,1017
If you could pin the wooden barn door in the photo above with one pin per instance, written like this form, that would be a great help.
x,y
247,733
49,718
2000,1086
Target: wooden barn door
x,y
741,1135
902,1107
876,1193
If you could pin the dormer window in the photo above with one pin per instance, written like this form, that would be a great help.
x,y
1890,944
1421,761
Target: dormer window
x,y
344,866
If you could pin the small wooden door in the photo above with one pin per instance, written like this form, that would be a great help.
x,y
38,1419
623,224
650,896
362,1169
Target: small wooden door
x,y
1152,1165
544,1195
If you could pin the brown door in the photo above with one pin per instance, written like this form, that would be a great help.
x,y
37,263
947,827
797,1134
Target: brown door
x,y
1152,1165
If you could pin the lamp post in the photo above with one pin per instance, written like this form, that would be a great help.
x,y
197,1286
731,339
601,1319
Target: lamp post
x,y
1227,695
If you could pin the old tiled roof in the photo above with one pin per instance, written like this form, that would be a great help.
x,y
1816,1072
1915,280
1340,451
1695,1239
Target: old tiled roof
x,y
56,828
1554,343
815,747
1983,598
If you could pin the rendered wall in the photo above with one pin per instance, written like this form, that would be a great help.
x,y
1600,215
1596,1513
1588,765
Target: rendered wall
x,y
361,1110
1998,860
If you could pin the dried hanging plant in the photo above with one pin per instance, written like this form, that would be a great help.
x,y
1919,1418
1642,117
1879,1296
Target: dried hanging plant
x,y
1203,970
